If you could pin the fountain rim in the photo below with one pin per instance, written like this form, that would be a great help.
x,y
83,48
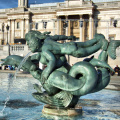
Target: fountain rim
x,y
62,112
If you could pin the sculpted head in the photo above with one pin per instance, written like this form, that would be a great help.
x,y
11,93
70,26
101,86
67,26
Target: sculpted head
x,y
34,40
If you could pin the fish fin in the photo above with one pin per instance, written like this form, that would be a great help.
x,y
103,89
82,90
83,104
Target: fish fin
x,y
65,96
38,88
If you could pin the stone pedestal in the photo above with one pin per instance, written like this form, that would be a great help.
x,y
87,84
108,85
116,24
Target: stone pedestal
x,y
62,112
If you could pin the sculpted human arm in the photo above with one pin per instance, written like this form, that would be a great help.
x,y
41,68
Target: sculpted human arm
x,y
62,37
36,56
50,65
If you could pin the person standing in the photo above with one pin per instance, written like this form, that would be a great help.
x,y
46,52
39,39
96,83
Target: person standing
x,y
117,69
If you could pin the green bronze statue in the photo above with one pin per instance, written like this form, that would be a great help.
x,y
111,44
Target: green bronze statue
x,y
65,84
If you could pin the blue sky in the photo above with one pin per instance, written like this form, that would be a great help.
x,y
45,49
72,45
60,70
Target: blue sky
x,y
14,3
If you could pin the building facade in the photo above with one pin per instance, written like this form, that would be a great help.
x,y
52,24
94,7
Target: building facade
x,y
81,18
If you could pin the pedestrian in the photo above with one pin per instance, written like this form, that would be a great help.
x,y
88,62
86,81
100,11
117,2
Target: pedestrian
x,y
117,70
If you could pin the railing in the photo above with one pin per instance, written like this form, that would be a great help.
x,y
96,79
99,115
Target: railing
x,y
34,8
17,47
86,3
61,4
21,50
44,8
2,10
108,4
1,47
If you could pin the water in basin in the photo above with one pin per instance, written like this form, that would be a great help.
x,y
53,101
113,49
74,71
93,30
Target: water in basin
x,y
102,105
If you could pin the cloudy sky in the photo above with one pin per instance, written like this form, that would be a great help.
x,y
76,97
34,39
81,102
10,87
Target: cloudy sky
x,y
14,3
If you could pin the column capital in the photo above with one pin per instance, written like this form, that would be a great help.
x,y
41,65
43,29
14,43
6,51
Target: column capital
x,y
90,15
9,20
66,16
80,16
13,19
58,17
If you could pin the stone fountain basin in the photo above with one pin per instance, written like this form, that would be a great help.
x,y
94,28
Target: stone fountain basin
x,y
104,104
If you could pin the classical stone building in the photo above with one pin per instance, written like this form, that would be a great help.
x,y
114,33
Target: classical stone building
x,y
81,18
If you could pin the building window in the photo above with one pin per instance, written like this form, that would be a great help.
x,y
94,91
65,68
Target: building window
x,y
36,26
2,42
111,21
76,24
18,25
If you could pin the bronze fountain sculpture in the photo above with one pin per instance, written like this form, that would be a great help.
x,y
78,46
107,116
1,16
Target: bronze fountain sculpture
x,y
65,84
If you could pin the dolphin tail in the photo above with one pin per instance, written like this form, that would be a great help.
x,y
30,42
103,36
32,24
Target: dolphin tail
x,y
2,59
112,48
99,63
2,62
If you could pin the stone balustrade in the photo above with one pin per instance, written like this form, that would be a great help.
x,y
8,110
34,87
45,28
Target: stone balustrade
x,y
55,6
39,8
21,50
62,5
107,4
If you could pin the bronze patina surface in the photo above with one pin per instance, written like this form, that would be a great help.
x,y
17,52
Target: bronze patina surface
x,y
65,84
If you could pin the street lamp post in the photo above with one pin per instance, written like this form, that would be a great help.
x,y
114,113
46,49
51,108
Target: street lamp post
x,y
96,25
115,23
44,25
81,29
36,26
81,23
7,28
3,30
65,25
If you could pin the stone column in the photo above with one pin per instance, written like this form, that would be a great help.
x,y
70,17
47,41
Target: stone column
x,y
18,3
27,25
22,4
58,24
22,28
107,31
9,36
81,30
53,27
81,2
67,3
13,31
26,3
69,25
66,30
90,27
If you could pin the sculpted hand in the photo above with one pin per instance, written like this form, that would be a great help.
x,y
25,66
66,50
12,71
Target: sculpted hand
x,y
36,74
44,76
